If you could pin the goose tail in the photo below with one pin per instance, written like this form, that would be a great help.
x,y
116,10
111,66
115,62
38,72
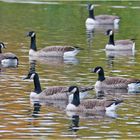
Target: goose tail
x,y
112,106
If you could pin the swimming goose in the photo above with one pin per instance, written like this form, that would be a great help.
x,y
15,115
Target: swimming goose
x,y
50,51
118,45
52,92
114,82
7,59
100,19
90,105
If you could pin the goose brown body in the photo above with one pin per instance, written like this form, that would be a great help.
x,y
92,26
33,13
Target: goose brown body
x,y
106,19
7,56
117,82
118,45
50,51
89,105
93,105
52,92
100,19
7,59
112,82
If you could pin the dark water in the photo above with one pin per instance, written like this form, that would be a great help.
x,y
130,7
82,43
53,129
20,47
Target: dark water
x,y
63,23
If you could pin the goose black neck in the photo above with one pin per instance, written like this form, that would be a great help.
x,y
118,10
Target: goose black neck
x,y
37,86
101,76
111,40
76,98
91,14
33,43
0,50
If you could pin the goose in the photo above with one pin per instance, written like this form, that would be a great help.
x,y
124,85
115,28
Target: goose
x,y
114,82
90,105
50,51
118,45
100,19
7,59
52,92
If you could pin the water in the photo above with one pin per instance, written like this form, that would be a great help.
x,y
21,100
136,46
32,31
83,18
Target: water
x,y
62,23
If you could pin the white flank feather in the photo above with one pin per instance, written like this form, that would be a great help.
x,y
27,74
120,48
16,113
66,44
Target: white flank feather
x,y
9,62
70,107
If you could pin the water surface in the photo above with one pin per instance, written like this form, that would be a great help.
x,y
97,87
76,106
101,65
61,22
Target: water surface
x,y
63,23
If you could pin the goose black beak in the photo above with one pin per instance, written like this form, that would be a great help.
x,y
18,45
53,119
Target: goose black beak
x,y
27,34
92,70
25,78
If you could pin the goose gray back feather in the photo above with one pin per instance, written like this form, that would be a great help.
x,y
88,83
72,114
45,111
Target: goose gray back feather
x,y
106,19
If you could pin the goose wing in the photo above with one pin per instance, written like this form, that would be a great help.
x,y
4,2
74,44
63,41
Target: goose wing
x,y
58,48
106,17
125,44
63,89
119,82
9,56
99,103
57,51
55,90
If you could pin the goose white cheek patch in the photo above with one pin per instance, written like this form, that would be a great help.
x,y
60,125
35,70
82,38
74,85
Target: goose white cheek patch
x,y
111,32
2,46
33,34
92,6
98,71
74,90
32,76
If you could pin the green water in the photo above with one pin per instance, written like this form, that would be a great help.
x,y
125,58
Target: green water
x,y
63,23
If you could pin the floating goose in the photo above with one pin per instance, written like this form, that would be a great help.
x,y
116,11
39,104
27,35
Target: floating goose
x,y
118,45
90,105
52,92
114,82
50,51
100,19
7,59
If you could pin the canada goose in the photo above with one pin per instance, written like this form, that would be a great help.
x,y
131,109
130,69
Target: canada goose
x,y
50,51
90,105
52,92
118,45
7,59
100,19
113,82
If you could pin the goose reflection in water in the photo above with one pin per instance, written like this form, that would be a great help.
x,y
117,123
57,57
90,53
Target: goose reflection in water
x,y
56,61
74,126
36,109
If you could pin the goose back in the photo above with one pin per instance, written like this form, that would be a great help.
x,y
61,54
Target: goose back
x,y
107,19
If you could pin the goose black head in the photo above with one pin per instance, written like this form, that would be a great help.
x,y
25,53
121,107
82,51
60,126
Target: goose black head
x,y
90,7
109,32
98,69
31,34
2,45
73,89
100,72
30,75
